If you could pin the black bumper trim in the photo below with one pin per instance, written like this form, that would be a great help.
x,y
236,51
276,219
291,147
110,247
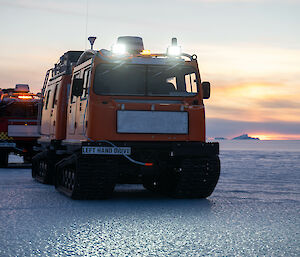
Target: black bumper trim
x,y
170,148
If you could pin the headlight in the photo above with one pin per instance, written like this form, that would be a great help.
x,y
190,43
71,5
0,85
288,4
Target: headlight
x,y
119,49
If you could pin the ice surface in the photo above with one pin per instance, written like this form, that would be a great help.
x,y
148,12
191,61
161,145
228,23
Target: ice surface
x,y
254,211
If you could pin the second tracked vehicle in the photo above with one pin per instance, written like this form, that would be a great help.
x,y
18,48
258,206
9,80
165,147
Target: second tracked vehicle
x,y
18,122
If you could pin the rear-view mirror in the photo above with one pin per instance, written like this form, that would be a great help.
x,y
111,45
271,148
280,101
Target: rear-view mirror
x,y
206,90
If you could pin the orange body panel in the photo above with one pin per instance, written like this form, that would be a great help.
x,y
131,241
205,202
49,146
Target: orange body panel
x,y
54,112
102,119
61,115
98,119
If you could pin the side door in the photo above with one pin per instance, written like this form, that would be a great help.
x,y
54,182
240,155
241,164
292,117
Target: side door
x,y
54,108
81,115
72,109
45,127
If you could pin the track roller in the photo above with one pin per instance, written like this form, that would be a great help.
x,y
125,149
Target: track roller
x,y
43,167
86,178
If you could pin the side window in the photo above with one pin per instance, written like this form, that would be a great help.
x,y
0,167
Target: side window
x,y
72,99
54,96
86,79
191,83
47,99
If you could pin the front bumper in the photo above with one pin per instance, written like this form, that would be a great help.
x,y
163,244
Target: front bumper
x,y
191,149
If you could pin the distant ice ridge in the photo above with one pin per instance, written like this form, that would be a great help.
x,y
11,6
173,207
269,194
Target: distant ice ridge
x,y
241,137
245,136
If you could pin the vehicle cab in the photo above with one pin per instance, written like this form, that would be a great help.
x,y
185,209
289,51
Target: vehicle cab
x,y
133,94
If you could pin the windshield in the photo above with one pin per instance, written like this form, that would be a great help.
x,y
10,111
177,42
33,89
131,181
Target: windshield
x,y
146,80
17,109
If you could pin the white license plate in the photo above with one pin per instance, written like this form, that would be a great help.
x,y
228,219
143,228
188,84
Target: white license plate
x,y
7,144
106,150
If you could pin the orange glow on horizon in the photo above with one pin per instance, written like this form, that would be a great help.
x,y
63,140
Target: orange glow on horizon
x,y
268,136
255,101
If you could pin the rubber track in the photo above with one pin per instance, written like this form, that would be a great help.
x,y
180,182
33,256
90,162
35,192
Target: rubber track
x,y
95,177
46,176
197,179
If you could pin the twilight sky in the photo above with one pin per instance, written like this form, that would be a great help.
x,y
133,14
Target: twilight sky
x,y
248,49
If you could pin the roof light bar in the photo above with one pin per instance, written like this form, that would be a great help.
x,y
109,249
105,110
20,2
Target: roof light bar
x,y
25,97
146,52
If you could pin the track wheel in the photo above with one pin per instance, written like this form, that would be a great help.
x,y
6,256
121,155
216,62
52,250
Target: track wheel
x,y
66,177
86,178
43,168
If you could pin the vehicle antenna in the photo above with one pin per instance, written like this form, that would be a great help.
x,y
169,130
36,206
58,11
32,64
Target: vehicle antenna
x,y
86,21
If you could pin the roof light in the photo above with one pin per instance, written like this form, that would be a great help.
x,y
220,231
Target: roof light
x,y
24,88
146,52
119,49
25,97
134,45
174,51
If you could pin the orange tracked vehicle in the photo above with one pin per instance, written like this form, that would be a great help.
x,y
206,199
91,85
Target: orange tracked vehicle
x,y
126,116
18,122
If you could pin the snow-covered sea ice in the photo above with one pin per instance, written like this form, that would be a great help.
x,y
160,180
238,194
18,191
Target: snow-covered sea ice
x,y
254,211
